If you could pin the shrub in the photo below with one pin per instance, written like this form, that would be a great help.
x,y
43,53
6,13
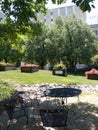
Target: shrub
x,y
92,71
59,67
5,64
6,90
92,74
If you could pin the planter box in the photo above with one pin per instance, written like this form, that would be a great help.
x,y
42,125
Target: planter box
x,y
59,72
3,68
92,76
29,69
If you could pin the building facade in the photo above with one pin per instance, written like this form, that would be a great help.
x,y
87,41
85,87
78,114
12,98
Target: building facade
x,y
63,12
66,11
2,18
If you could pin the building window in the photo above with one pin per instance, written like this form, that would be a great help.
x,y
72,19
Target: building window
x,y
73,9
51,15
66,11
51,12
44,18
58,11
51,21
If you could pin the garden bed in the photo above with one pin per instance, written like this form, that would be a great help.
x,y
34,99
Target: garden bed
x,y
59,69
59,72
29,68
92,74
6,66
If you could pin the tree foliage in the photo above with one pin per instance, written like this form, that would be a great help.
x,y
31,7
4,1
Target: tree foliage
x,y
79,42
69,40
36,49
10,42
85,5
74,41
23,12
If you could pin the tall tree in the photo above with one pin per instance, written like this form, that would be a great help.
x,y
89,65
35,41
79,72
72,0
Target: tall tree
x,y
79,42
74,40
54,34
10,40
36,49
69,40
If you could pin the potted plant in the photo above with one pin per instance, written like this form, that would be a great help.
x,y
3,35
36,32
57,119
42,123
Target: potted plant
x,y
59,69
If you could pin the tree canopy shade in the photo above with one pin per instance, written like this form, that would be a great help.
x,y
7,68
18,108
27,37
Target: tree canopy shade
x,y
25,11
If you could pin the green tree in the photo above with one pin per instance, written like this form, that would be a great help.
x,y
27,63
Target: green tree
x,y
36,49
73,41
10,42
56,39
9,52
69,40
95,59
79,42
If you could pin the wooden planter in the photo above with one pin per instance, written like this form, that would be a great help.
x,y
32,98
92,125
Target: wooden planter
x,y
59,72
92,76
3,68
28,69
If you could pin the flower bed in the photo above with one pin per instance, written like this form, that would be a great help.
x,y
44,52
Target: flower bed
x,y
59,69
29,68
92,74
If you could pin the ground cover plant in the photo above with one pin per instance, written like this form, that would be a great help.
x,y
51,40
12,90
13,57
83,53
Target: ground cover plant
x,y
6,90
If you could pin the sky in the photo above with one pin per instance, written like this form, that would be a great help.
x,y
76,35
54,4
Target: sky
x,y
50,5
92,17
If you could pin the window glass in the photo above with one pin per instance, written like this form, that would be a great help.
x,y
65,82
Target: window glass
x,y
58,11
66,11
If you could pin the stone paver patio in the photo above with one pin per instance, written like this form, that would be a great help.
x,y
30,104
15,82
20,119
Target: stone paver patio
x,y
81,116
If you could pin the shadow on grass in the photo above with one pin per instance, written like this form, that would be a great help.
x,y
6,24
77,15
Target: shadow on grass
x,y
76,73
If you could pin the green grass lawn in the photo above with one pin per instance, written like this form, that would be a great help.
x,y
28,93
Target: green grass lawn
x,y
9,78
43,76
